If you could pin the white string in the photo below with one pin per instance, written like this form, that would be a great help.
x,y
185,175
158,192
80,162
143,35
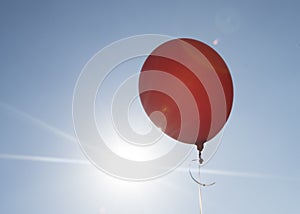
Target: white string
x,y
200,198
199,183
199,190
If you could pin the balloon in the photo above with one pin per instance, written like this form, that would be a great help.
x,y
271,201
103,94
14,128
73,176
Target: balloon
x,y
185,84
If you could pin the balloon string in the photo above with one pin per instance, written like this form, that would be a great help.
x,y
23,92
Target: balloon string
x,y
200,199
199,190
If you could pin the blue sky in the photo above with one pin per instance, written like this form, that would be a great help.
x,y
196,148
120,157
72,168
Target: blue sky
x,y
45,44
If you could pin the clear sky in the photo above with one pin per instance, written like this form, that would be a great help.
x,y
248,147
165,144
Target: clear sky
x,y
45,44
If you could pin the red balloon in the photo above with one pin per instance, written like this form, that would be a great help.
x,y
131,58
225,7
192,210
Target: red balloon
x,y
183,68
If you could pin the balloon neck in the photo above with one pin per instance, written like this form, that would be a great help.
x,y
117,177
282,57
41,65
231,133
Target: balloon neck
x,y
200,155
199,147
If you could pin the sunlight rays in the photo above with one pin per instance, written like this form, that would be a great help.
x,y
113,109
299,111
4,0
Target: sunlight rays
x,y
58,132
46,159
37,122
